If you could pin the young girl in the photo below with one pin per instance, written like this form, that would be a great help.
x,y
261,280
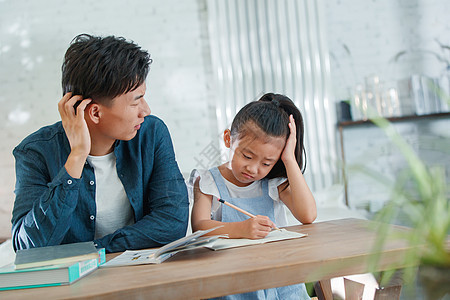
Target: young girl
x,y
264,173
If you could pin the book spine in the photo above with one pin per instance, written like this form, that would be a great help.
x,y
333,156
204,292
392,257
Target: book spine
x,y
29,286
418,94
407,104
81,269
101,256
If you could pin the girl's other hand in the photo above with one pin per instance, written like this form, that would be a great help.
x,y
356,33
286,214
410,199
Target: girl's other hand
x,y
257,227
289,149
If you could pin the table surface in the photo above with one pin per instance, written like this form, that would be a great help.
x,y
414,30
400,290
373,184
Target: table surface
x,y
331,249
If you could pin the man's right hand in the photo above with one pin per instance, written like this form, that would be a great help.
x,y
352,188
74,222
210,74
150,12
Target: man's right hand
x,y
77,132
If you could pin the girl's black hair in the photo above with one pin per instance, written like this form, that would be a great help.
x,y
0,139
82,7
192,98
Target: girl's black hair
x,y
103,68
271,114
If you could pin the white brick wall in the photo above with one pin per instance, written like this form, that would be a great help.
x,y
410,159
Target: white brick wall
x,y
367,146
375,31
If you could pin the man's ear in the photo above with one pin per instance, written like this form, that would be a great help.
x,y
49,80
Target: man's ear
x,y
93,112
227,138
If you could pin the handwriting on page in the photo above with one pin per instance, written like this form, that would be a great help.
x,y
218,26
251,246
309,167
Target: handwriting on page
x,y
273,236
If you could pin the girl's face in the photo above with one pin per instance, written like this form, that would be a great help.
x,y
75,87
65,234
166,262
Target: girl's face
x,y
252,156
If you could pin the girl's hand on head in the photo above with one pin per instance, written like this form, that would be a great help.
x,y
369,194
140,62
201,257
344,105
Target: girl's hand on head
x,y
289,149
257,227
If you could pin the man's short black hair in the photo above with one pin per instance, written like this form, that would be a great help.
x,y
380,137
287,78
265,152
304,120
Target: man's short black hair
x,y
103,68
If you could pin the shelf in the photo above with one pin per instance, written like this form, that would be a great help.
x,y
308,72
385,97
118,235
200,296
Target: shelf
x,y
394,119
346,124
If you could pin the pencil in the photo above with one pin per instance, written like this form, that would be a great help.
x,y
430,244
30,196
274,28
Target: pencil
x,y
240,209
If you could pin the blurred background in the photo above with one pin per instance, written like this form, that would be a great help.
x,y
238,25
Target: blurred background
x,y
336,59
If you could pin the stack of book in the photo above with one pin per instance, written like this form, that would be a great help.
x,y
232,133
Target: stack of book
x,y
423,95
53,265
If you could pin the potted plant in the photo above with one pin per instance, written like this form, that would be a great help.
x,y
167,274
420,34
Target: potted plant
x,y
419,199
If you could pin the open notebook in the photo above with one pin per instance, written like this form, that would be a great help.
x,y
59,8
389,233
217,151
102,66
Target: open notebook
x,y
195,240
274,235
158,255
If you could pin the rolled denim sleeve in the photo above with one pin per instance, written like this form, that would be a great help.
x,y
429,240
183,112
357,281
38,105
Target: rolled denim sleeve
x,y
161,204
43,207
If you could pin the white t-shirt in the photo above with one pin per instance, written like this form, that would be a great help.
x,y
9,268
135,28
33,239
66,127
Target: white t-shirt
x,y
208,186
113,207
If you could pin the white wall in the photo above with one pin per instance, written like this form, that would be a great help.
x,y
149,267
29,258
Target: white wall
x,y
375,31
368,146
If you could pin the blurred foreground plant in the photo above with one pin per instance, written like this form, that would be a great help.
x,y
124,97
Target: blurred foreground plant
x,y
419,199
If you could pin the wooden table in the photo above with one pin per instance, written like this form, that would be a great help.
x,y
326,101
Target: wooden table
x,y
331,249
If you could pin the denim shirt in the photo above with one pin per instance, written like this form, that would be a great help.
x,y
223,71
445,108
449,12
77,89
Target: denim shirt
x,y
53,208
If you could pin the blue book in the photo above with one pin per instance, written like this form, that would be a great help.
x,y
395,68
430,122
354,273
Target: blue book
x,y
59,274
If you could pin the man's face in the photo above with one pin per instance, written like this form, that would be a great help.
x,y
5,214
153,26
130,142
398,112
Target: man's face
x,y
122,119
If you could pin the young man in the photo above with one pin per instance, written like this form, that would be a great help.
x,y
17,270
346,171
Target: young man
x,y
107,172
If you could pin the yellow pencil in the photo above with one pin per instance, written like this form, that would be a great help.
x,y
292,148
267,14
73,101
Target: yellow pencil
x,y
240,209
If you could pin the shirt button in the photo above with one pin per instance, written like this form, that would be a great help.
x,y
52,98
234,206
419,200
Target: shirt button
x,y
69,181
92,217
91,182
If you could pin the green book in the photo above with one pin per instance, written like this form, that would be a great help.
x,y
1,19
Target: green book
x,y
55,255
60,274
10,278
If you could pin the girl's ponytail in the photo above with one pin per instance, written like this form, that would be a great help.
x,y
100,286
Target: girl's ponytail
x,y
285,104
